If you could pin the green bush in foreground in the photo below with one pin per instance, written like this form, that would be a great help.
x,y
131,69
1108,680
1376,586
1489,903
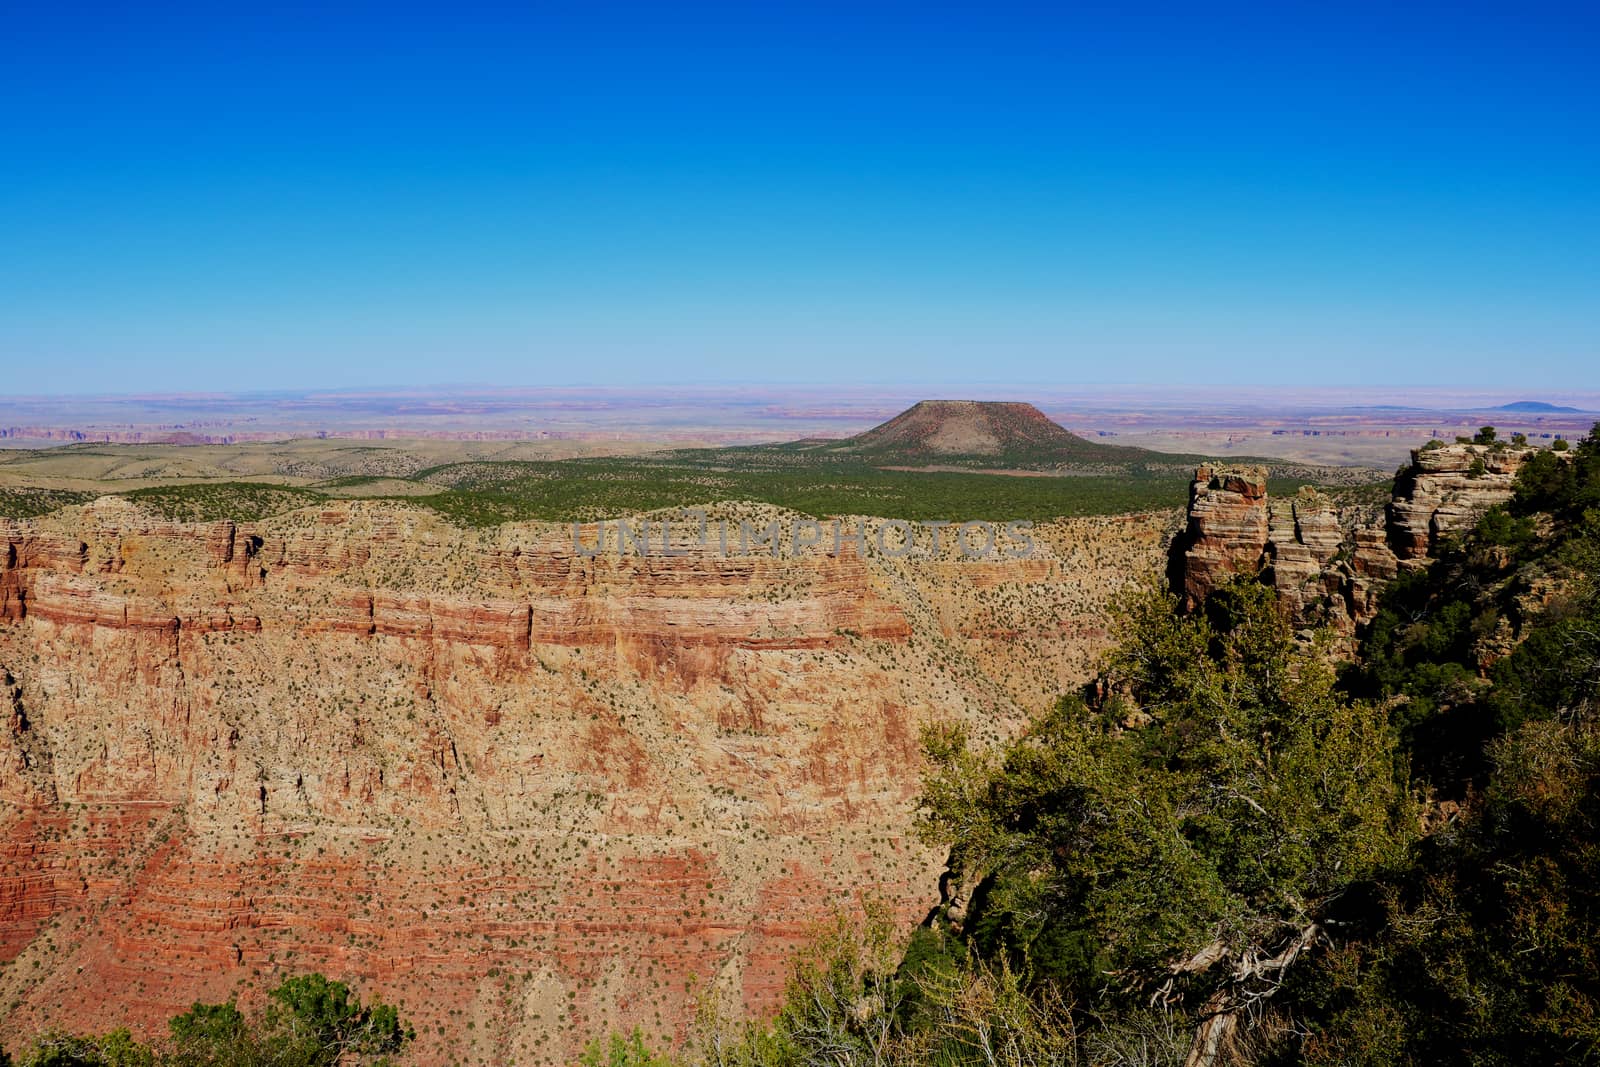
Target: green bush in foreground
x,y
309,1021
1185,844
623,1050
115,1049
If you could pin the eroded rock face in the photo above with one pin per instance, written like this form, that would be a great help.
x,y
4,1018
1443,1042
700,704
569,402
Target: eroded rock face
x,y
503,784
1329,564
1445,490
1228,528
1304,541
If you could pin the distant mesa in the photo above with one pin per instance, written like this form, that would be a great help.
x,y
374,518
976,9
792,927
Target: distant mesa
x,y
1537,407
1011,436
1001,434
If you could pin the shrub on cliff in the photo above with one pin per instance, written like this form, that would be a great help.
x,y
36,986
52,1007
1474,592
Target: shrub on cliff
x,y
621,1050
859,995
309,1021
1561,481
1183,847
115,1049
843,1003
329,1023
1488,951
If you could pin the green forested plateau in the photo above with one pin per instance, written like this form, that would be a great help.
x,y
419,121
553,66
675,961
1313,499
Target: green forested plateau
x,y
487,493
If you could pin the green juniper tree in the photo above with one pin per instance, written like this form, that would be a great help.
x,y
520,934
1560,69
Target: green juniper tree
x,y
1182,844
309,1021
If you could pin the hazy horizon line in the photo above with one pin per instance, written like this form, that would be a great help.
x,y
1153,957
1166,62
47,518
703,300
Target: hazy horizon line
x,y
1511,392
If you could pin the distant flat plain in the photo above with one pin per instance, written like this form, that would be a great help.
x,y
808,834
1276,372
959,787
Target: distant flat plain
x,y
1359,427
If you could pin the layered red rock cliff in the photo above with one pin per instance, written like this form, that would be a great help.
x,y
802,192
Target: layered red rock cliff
x,y
526,793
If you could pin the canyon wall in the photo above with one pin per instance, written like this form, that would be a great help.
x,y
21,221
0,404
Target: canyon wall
x,y
1328,564
528,794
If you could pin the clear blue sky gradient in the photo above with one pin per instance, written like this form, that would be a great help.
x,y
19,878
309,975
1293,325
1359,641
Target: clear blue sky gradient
x,y
670,192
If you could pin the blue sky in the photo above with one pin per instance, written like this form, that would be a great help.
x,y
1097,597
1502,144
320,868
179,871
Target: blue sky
x,y
681,193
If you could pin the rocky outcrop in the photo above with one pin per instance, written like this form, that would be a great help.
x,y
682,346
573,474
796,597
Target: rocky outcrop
x,y
1328,564
1444,491
529,794
1228,528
